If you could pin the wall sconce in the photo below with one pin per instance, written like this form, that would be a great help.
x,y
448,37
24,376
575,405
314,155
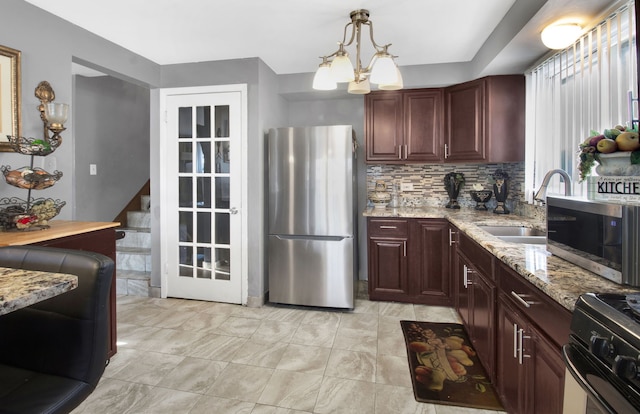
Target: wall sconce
x,y
560,35
53,116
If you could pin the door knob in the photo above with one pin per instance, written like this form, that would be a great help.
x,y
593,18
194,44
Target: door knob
x,y
233,210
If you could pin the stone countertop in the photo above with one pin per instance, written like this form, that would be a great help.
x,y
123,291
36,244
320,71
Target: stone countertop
x,y
562,281
20,288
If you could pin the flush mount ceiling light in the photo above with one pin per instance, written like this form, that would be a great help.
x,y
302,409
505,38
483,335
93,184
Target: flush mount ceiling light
x,y
560,35
337,67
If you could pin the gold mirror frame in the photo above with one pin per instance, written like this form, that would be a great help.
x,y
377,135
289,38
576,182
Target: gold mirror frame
x,y
10,94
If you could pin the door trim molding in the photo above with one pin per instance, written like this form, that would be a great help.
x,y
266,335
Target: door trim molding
x,y
164,93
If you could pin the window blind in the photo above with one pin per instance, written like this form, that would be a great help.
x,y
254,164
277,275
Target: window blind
x,y
582,88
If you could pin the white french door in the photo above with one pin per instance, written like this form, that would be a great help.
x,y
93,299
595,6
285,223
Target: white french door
x,y
202,193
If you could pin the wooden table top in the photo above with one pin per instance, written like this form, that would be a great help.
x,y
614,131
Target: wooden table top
x,y
58,229
20,288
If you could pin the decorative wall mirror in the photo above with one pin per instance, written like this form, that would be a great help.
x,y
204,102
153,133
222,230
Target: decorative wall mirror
x,y
10,93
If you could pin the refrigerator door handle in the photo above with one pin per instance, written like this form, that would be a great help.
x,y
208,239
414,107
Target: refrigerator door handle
x,y
326,238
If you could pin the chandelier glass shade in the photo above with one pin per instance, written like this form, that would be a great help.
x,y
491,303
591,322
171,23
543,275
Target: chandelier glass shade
x,y
323,81
338,67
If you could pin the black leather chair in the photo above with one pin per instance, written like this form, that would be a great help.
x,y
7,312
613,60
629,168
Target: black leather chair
x,y
53,353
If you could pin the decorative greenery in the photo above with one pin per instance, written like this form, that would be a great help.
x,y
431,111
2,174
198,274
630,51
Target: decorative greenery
x,y
456,178
500,175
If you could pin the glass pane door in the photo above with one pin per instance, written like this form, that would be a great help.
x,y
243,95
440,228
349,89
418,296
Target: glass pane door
x,y
206,128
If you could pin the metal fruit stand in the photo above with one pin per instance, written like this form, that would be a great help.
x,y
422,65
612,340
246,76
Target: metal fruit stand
x,y
34,213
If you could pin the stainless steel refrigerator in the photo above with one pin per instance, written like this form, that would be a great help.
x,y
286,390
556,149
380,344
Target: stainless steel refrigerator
x,y
312,216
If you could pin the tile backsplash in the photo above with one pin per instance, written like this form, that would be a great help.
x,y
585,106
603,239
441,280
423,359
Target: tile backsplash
x,y
428,183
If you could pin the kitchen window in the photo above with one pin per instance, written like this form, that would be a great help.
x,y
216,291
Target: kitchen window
x,y
582,88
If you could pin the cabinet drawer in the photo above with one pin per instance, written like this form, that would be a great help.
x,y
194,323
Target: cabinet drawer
x,y
478,257
388,227
539,308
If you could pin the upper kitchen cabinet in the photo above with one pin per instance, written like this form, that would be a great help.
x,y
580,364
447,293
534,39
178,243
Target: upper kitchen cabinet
x,y
484,120
404,126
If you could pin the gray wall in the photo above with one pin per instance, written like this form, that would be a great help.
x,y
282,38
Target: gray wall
x,y
111,123
49,45
265,109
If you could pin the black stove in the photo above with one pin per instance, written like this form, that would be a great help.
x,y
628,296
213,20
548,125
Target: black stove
x,y
603,353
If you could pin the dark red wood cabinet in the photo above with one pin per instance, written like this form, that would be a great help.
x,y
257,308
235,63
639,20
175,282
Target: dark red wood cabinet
x,y
485,120
476,121
476,295
531,331
408,260
404,126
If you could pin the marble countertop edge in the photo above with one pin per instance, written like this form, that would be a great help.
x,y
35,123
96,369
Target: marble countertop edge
x,y
21,288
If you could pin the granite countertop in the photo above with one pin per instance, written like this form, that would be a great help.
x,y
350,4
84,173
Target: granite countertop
x,y
20,288
564,282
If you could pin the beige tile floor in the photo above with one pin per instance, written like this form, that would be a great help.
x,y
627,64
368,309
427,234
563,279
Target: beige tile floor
x,y
185,356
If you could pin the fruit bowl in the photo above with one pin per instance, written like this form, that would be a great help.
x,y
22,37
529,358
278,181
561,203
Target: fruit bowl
x,y
32,146
616,163
30,178
614,152
20,215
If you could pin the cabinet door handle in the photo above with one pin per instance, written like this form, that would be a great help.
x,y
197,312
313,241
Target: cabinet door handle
x,y
451,240
522,355
515,340
466,272
388,227
404,245
521,300
406,151
446,151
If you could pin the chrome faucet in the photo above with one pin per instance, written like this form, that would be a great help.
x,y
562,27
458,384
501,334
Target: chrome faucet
x,y
541,194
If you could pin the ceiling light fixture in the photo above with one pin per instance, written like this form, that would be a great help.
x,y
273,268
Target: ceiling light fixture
x,y
560,35
337,67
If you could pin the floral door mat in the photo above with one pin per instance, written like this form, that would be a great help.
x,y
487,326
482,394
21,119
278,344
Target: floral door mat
x,y
444,367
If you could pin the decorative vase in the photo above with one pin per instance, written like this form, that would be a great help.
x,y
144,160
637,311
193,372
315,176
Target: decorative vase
x,y
481,197
501,190
452,183
380,197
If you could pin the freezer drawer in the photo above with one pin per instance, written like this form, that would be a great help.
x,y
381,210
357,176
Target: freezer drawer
x,y
312,271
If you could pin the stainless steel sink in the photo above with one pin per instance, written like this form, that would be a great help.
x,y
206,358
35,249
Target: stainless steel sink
x,y
517,234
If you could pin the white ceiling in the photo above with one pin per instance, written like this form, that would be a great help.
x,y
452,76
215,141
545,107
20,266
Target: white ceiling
x,y
290,35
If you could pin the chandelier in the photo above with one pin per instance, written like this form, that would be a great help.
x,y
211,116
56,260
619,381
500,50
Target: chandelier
x,y
337,67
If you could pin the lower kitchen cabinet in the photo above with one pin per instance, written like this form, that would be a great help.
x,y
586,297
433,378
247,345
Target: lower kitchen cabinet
x,y
409,260
531,331
476,296
388,260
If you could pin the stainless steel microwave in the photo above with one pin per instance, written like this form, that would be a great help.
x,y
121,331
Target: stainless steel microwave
x,y
602,237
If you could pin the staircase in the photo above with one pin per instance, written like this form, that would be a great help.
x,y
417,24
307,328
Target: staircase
x,y
133,253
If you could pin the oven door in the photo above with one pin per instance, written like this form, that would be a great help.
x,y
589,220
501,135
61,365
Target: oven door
x,y
606,393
